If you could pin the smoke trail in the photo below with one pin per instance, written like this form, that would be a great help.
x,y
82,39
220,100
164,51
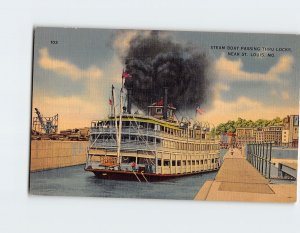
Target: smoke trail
x,y
155,62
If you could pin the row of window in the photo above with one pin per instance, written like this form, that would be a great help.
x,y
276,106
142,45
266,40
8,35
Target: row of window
x,y
173,163
190,146
149,139
151,126
124,138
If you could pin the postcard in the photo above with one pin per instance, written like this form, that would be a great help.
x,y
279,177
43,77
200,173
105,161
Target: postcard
x,y
183,115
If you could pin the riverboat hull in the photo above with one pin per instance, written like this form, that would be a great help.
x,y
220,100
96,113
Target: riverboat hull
x,y
139,176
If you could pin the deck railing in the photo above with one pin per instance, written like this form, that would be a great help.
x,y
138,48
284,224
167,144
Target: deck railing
x,y
260,156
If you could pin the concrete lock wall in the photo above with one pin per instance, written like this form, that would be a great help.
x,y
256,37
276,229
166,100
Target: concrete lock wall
x,y
48,154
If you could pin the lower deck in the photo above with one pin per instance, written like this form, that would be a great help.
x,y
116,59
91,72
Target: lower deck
x,y
160,162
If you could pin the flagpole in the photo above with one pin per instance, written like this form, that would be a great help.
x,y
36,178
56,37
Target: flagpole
x,y
120,122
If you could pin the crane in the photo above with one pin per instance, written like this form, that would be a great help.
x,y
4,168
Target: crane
x,y
48,124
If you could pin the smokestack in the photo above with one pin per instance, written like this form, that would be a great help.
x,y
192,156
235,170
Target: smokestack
x,y
129,93
165,108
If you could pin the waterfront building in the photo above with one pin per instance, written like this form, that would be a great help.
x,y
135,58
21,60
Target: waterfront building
x,y
290,131
260,135
269,134
224,141
245,135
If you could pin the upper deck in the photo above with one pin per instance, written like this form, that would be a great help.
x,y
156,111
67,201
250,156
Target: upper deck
x,y
150,126
149,133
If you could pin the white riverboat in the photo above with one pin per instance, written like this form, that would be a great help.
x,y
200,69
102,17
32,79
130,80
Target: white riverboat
x,y
150,147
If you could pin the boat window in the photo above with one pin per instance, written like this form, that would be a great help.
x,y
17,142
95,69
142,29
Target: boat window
x,y
125,123
143,161
128,159
178,163
125,159
143,125
173,163
124,138
167,163
151,126
159,162
151,139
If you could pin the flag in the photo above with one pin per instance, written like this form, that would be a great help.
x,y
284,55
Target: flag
x,y
160,102
125,75
199,110
109,101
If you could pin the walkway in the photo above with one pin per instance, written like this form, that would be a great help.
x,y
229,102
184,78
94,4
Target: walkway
x,y
238,180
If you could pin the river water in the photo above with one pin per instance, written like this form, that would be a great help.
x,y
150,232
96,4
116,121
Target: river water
x,y
74,181
284,153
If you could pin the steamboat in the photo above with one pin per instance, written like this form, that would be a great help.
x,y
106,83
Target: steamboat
x,y
150,147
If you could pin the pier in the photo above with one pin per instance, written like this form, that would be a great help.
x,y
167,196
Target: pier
x,y
50,154
238,180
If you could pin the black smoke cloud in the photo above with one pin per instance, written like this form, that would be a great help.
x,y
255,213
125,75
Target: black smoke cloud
x,y
155,62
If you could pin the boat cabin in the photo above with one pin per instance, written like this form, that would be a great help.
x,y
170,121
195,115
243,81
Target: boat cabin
x,y
156,110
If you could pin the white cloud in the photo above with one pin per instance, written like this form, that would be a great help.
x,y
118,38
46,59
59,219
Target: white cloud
x,y
285,95
65,68
221,87
244,107
274,93
282,94
233,70
122,41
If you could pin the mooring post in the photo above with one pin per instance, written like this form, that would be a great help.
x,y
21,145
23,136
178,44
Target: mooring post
x,y
259,161
266,162
270,163
256,153
252,155
263,158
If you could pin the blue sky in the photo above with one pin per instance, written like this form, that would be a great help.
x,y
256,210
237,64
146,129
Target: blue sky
x,y
74,76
